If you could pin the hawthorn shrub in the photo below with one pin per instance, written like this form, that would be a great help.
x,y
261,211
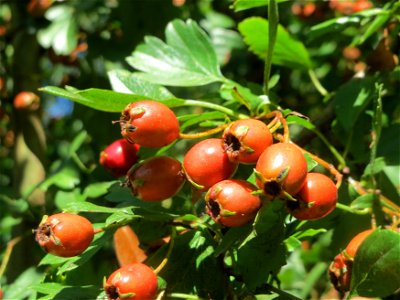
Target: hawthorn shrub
x,y
237,189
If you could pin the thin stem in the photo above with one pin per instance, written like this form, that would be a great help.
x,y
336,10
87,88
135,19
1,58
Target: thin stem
x,y
198,135
214,106
273,21
166,258
281,120
7,254
117,224
346,208
335,153
317,83
182,296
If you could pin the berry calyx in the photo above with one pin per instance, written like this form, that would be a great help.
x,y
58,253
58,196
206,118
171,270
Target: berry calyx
x,y
132,282
231,202
156,179
281,168
340,272
316,199
119,157
245,140
149,124
206,163
64,234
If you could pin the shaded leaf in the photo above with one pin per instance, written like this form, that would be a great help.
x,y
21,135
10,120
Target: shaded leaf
x,y
288,51
266,240
376,269
351,100
186,59
58,291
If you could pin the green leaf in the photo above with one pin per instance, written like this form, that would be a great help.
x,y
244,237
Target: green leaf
x,y
372,28
55,290
76,207
240,5
376,269
186,59
192,268
125,82
311,164
351,100
104,100
338,25
288,52
266,240
62,33
364,201
98,189
21,287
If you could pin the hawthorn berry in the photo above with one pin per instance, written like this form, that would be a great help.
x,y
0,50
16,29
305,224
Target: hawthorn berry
x,y
149,124
206,163
231,202
356,241
132,282
64,234
316,199
119,157
26,100
156,178
245,140
281,167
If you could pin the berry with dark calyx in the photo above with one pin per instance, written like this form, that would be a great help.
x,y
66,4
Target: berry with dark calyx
x,y
316,199
119,157
149,124
340,272
206,163
281,168
231,202
245,140
156,179
132,282
356,241
26,100
64,234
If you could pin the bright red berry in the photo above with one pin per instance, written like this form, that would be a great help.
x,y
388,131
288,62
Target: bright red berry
x,y
231,202
26,100
149,124
356,241
119,157
316,199
206,163
281,167
132,282
65,234
245,140
156,178
340,272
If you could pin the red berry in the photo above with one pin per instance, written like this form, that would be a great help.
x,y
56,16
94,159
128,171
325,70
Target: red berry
x,y
355,243
149,124
119,157
206,163
65,234
132,282
340,272
245,140
156,179
281,167
316,199
231,202
26,100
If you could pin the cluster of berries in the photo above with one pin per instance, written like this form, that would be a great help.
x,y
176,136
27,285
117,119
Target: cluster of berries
x,y
209,166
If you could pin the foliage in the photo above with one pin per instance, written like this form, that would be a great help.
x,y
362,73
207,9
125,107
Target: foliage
x,y
332,75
